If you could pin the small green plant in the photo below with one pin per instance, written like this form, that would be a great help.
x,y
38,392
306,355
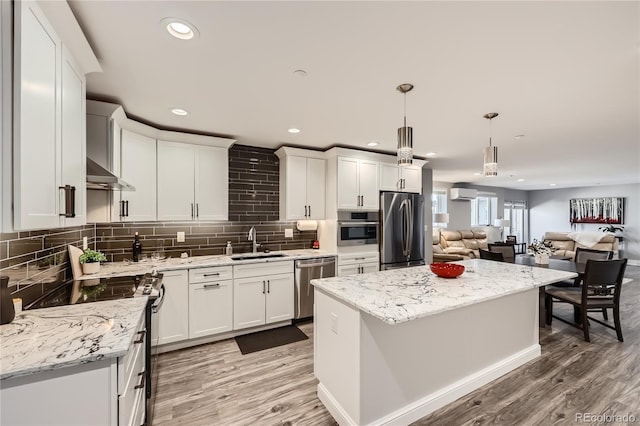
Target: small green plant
x,y
611,228
92,256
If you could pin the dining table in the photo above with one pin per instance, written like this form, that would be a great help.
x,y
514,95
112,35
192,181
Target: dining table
x,y
561,264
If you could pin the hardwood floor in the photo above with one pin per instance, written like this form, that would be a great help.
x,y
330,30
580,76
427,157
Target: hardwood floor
x,y
216,385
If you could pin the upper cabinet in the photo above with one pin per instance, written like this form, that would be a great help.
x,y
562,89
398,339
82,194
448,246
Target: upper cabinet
x,y
138,168
192,182
400,178
49,125
357,184
302,184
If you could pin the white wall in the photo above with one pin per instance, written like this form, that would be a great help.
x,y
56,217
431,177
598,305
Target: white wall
x,y
549,211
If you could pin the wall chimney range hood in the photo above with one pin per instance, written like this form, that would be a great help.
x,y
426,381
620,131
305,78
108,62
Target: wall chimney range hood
x,y
100,178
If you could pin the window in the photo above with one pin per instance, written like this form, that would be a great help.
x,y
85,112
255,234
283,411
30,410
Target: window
x,y
517,213
438,204
484,209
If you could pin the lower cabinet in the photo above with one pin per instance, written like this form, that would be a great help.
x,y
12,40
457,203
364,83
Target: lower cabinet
x,y
265,296
173,318
358,263
210,301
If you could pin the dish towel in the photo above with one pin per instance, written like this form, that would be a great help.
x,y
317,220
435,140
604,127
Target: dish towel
x,y
587,239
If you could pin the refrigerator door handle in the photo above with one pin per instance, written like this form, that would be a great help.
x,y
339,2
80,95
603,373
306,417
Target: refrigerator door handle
x,y
404,214
410,227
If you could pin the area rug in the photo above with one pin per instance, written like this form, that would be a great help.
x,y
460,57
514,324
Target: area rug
x,y
268,339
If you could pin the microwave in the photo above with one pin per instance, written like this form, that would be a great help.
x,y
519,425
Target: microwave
x,y
358,228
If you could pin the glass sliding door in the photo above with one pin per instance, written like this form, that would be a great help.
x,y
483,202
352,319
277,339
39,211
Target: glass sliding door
x,y
517,214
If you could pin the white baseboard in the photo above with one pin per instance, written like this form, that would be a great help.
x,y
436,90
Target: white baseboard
x,y
430,403
633,262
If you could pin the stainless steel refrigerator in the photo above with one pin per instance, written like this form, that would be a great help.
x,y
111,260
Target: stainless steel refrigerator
x,y
402,230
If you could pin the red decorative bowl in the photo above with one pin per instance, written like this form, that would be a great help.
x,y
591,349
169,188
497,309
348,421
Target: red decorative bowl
x,y
446,270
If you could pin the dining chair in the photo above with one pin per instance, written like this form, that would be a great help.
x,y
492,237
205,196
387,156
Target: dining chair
x,y
581,256
491,255
508,251
512,239
600,289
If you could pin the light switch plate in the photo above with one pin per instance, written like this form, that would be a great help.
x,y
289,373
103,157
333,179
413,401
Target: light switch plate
x,y
85,243
180,237
288,232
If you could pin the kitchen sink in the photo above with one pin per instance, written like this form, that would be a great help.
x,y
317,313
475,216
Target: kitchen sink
x,y
248,256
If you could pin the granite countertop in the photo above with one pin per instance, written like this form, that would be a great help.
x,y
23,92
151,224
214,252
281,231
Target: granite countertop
x,y
116,269
401,295
52,338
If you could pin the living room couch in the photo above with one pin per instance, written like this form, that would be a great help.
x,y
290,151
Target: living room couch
x,y
464,242
438,252
565,245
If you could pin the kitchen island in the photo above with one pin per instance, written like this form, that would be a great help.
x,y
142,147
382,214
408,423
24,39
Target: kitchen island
x,y
393,346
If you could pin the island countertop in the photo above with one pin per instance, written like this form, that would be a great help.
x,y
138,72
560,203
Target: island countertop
x,y
52,338
401,295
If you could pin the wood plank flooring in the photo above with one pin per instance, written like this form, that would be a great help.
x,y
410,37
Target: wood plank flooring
x,y
215,384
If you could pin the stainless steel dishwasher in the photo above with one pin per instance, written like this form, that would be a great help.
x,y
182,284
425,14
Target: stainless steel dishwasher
x,y
307,270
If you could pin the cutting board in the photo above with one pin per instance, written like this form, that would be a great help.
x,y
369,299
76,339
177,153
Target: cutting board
x,y
74,258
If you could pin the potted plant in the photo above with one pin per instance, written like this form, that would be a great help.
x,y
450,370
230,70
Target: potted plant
x,y
541,251
611,228
90,261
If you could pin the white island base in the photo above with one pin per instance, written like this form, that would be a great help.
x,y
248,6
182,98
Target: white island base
x,y
374,373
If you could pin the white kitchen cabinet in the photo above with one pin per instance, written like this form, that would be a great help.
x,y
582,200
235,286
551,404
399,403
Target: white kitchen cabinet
x,y
49,137
302,187
138,168
262,294
173,317
106,392
400,178
358,263
210,301
192,182
358,184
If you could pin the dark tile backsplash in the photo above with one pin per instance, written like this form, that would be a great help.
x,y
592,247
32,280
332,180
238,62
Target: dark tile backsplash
x,y
38,259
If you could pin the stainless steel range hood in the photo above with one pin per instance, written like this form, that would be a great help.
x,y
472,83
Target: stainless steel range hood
x,y
100,178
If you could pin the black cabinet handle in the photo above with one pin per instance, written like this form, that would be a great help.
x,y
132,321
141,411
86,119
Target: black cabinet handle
x,y
141,340
191,210
212,285
309,211
268,286
142,375
126,213
216,274
197,210
69,201
263,284
121,208
305,211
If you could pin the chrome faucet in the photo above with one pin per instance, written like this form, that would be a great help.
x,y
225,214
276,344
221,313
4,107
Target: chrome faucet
x,y
252,237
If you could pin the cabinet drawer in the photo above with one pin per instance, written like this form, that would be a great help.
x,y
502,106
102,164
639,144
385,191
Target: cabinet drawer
x,y
358,258
135,387
200,275
127,365
262,269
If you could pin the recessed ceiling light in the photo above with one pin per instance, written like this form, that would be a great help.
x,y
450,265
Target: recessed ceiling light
x,y
294,130
552,184
431,154
477,174
373,143
520,180
179,111
519,136
300,73
179,28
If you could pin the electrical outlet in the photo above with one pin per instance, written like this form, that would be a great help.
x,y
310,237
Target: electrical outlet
x,y
180,237
288,232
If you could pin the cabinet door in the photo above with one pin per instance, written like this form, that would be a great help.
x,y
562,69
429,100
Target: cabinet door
x,y
369,186
315,187
175,181
348,183
138,166
389,177
412,176
296,188
210,308
37,143
73,139
370,267
279,303
173,317
211,183
345,270
248,302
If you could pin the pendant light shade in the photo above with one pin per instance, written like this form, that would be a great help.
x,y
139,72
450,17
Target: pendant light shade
x,y
405,134
491,152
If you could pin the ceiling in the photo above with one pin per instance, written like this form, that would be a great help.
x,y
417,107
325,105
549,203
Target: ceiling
x,y
564,74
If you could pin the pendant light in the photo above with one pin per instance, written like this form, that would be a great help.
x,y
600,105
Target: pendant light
x,y
405,134
491,152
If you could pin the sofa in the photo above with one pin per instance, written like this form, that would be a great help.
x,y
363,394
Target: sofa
x,y
464,242
438,252
565,245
